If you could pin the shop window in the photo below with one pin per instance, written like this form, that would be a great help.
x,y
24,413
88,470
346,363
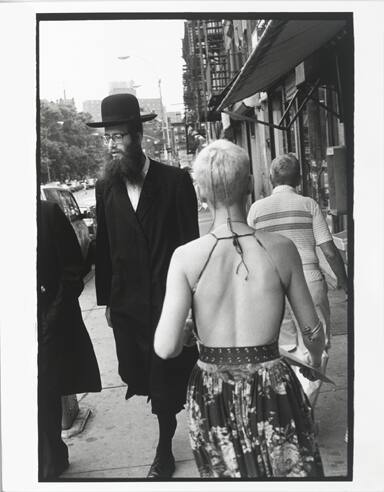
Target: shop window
x,y
319,130
290,143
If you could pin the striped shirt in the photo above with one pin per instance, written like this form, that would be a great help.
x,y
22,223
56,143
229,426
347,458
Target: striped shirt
x,y
296,217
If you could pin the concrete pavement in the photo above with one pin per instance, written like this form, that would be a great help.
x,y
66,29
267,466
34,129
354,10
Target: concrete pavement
x,y
119,438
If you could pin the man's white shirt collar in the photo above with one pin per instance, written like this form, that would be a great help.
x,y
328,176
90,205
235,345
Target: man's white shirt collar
x,y
134,190
280,188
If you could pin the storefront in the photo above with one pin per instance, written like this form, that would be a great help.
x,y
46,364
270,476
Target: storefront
x,y
302,74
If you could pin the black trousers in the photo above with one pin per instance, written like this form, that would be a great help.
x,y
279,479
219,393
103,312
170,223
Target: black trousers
x,y
163,381
53,452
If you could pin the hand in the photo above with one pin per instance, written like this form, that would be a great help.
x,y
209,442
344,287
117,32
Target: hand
x,y
108,316
307,373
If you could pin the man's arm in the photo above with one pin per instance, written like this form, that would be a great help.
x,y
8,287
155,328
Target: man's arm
x,y
302,305
71,265
187,212
324,240
251,215
69,251
335,261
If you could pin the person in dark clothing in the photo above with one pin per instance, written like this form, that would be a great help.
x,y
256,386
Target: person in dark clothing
x,y
145,210
66,359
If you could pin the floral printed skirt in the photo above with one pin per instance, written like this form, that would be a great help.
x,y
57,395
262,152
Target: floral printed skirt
x,y
249,417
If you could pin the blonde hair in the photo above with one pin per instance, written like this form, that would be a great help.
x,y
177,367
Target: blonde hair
x,y
221,171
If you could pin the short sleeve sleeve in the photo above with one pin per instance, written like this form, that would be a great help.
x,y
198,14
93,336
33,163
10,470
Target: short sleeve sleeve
x,y
320,227
252,216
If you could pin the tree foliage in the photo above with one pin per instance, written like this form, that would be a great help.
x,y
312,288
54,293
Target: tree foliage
x,y
69,149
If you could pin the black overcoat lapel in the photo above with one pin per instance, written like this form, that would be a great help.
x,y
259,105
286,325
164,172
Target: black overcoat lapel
x,y
125,210
149,193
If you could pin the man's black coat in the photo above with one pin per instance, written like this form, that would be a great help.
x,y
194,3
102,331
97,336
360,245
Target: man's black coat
x,y
67,362
133,251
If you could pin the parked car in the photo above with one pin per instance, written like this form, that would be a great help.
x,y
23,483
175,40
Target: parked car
x,y
81,221
75,185
90,183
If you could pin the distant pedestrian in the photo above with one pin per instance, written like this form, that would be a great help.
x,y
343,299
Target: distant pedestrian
x,y
145,210
300,219
248,415
200,143
66,360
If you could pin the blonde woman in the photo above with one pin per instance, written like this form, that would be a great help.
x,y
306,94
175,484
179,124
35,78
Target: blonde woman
x,y
248,415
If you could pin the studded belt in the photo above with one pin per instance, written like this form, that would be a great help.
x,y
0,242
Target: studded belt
x,y
239,355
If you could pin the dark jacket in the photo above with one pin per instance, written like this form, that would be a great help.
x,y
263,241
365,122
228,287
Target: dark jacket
x,y
133,251
66,358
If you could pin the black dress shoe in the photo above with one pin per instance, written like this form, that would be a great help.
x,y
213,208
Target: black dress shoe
x,y
162,468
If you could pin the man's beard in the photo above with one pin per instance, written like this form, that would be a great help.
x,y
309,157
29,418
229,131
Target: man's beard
x,y
126,165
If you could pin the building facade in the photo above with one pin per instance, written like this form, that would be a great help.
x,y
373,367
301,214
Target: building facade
x,y
289,88
205,73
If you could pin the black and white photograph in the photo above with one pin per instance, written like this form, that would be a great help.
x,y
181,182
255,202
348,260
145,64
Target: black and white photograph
x,y
193,196
175,163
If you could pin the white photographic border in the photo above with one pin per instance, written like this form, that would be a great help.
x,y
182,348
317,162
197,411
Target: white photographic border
x,y
18,243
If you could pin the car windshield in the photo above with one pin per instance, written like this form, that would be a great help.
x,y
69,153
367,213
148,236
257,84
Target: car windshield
x,y
65,200
51,195
70,207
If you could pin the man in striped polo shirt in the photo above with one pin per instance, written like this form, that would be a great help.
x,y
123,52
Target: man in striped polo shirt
x,y
300,219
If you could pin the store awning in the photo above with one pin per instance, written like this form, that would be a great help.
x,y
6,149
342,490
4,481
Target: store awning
x,y
284,44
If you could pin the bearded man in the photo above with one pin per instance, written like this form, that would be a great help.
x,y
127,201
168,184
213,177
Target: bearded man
x,y
145,209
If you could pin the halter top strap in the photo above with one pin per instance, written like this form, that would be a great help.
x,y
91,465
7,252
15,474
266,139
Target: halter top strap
x,y
239,250
272,263
206,262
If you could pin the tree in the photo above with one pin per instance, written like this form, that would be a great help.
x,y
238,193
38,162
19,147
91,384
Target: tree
x,y
69,149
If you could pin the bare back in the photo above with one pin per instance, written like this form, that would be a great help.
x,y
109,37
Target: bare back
x,y
235,302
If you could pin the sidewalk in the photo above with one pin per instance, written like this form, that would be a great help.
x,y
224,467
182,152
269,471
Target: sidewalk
x,y
119,438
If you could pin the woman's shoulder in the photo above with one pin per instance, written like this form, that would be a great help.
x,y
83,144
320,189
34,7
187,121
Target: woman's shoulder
x,y
190,255
195,247
280,247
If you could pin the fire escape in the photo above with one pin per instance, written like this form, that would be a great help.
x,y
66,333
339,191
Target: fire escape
x,y
205,70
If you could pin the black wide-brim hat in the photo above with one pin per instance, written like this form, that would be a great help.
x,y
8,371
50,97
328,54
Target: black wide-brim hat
x,y
120,108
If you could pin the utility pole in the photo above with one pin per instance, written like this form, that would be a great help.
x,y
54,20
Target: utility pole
x,y
164,120
163,126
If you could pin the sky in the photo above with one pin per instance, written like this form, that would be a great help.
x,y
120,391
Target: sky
x,y
81,58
